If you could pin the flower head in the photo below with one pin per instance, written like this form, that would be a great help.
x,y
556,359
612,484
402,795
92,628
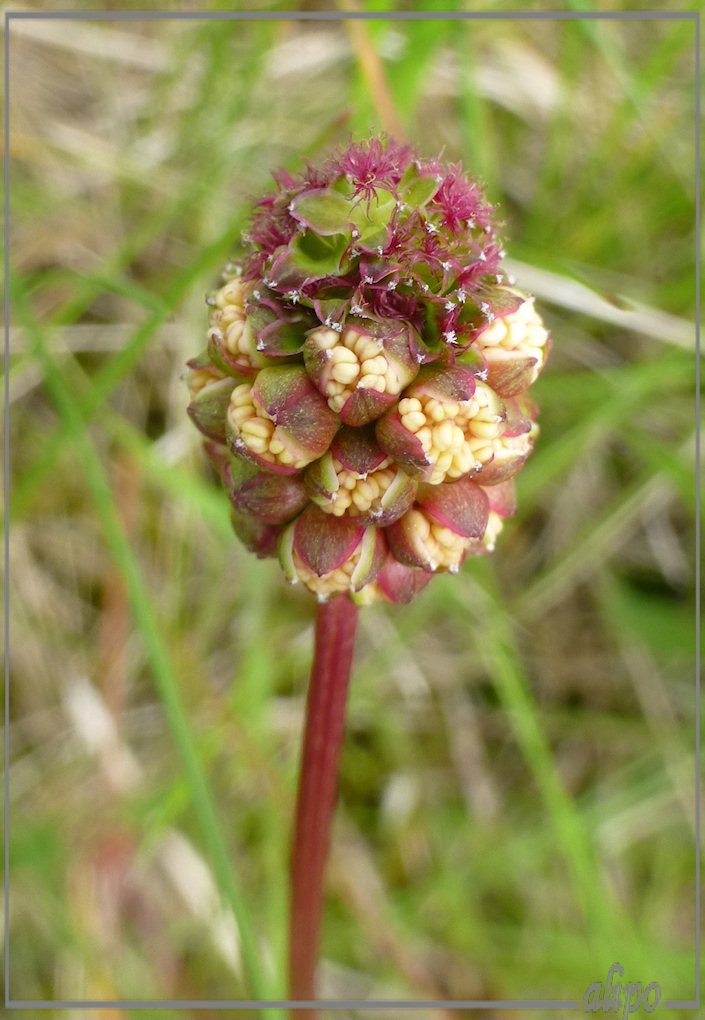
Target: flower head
x,y
364,385
372,164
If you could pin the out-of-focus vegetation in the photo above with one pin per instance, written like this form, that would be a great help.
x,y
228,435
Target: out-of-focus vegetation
x,y
517,798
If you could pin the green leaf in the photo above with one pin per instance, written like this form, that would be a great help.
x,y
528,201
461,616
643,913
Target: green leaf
x,y
163,671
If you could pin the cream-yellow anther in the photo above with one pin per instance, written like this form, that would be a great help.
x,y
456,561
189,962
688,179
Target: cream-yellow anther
x,y
251,425
456,436
355,362
440,547
522,333
356,494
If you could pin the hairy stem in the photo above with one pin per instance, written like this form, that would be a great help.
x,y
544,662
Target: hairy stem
x,y
336,623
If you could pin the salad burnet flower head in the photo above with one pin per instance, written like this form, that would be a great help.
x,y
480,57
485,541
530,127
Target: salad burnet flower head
x,y
364,388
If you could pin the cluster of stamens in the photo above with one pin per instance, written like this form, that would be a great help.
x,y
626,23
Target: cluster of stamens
x,y
359,495
355,361
253,427
227,321
520,332
335,581
441,548
457,436
514,445
199,378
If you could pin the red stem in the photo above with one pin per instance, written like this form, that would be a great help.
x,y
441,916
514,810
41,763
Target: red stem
x,y
336,623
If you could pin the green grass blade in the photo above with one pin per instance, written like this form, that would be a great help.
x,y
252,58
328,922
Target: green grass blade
x,y
163,672
496,647
114,371
587,553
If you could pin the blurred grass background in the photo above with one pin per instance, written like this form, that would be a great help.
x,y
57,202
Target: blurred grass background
x,y
517,805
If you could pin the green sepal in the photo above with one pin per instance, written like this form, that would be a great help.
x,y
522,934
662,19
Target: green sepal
x,y
286,554
416,190
201,361
474,360
430,275
461,506
357,449
289,397
257,536
373,553
333,305
272,498
321,480
323,210
323,541
432,337
318,256
282,338
372,219
274,336
373,237
209,407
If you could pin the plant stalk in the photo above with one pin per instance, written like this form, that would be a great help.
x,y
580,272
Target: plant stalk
x,y
336,623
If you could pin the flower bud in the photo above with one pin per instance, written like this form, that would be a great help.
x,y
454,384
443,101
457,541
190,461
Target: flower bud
x,y
256,535
443,425
510,450
379,497
360,369
220,457
395,583
515,347
436,533
356,479
233,350
200,372
273,498
280,421
331,555
502,498
461,506
230,345
208,408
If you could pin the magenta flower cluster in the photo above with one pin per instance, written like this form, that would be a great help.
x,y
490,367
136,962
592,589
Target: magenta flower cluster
x,y
364,385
